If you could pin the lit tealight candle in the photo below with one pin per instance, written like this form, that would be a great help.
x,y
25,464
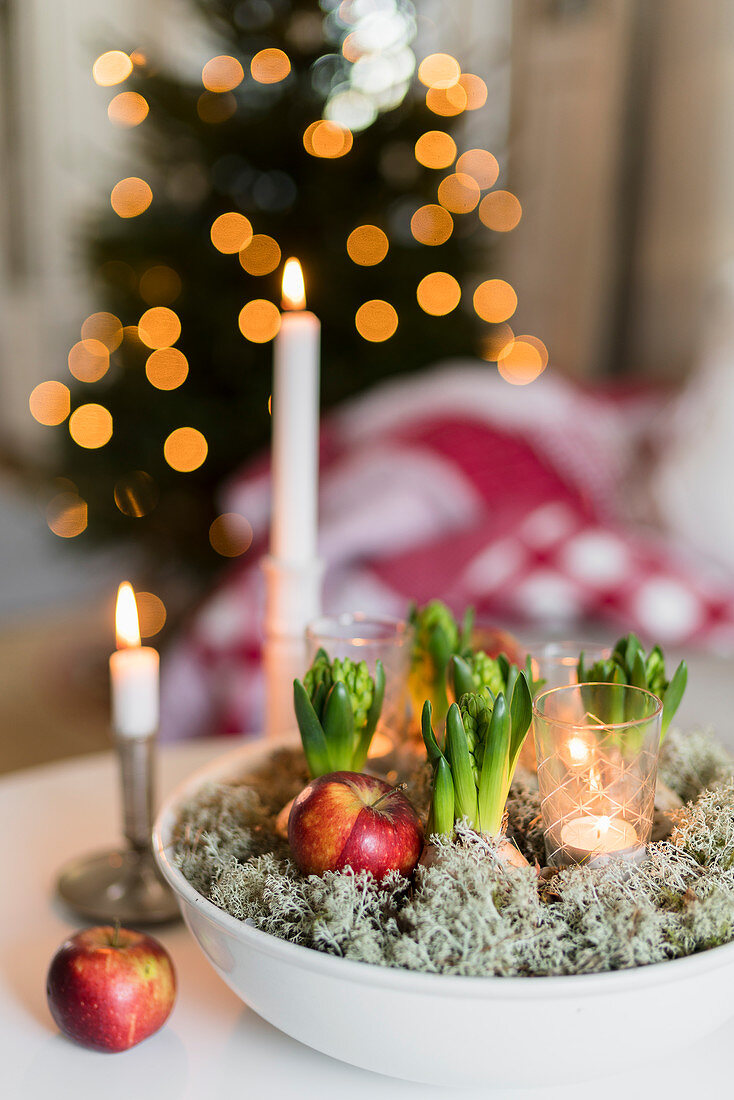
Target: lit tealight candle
x,y
591,838
133,673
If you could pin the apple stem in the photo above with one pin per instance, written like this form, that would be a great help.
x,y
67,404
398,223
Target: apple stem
x,y
393,790
116,935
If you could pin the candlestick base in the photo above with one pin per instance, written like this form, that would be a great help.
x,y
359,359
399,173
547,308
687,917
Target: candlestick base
x,y
122,885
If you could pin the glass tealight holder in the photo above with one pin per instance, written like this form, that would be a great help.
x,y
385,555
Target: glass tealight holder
x,y
556,662
597,751
366,638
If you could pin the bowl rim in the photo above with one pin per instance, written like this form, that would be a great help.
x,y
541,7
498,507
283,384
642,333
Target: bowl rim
x,y
397,978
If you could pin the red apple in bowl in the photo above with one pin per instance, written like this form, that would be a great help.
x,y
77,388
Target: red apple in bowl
x,y
110,988
346,819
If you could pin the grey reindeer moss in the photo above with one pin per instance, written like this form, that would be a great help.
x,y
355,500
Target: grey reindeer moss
x,y
467,913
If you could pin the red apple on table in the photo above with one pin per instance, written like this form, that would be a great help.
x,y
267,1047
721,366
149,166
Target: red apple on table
x,y
109,989
346,819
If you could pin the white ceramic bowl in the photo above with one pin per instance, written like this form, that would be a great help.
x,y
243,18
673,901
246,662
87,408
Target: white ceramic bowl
x,y
447,1030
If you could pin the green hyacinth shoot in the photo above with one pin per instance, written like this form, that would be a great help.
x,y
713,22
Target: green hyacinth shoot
x,y
438,636
629,664
337,707
472,773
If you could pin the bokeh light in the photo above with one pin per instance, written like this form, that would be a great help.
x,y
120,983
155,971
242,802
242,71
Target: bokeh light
x,y
159,327
49,403
351,49
534,342
214,107
439,70
495,300
493,343
104,327
446,102
230,535
231,232
167,368
520,362
111,68
159,285
480,165
66,515
431,224
458,192
327,140
435,149
131,338
475,90
90,426
89,360
367,245
127,109
438,293
185,450
500,210
131,197
270,66
259,320
376,320
261,255
136,494
222,74
151,613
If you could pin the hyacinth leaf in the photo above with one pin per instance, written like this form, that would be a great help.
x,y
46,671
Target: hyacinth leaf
x,y
467,627
461,676
494,778
655,664
312,735
632,648
373,715
637,670
673,695
439,647
511,679
319,698
339,727
521,713
459,757
441,818
429,738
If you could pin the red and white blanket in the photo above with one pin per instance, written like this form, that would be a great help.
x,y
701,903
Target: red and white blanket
x,y
454,484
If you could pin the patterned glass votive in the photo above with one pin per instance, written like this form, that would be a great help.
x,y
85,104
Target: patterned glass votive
x,y
555,662
597,751
365,638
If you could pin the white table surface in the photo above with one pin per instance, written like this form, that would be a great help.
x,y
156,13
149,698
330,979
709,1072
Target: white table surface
x,y
213,1045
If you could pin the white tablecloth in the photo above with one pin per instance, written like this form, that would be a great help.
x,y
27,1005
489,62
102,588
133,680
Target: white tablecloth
x,y
213,1045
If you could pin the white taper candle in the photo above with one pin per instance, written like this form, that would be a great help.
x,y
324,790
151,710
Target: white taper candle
x,y
295,416
134,673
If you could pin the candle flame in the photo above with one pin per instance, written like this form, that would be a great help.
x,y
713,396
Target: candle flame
x,y
126,617
294,291
578,750
602,826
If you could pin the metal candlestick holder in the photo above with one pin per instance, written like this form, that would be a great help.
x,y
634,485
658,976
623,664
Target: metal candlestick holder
x,y
124,884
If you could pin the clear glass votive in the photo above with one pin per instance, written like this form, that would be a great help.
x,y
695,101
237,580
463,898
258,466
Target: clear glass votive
x,y
365,638
556,662
597,751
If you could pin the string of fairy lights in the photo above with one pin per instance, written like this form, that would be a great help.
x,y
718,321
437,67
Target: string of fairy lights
x,y
381,68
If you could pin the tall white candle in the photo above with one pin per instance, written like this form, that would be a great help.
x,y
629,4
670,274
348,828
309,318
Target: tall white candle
x,y
134,673
295,417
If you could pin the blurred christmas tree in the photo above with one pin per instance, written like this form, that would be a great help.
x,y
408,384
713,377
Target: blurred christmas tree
x,y
313,133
